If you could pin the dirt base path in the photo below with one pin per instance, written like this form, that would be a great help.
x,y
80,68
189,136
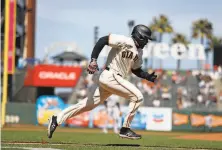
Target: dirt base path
x,y
203,136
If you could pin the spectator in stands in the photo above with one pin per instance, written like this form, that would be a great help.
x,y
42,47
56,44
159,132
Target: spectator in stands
x,y
212,99
179,103
166,95
156,102
200,98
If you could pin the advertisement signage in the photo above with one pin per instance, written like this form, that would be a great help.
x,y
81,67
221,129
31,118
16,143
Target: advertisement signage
x,y
209,120
99,117
197,120
216,121
180,119
176,51
52,76
46,106
81,120
159,119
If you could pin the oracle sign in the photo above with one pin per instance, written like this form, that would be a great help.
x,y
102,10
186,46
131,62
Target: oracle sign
x,y
57,75
53,76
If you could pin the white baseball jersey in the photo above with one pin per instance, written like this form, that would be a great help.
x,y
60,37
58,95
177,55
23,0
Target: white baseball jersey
x,y
124,55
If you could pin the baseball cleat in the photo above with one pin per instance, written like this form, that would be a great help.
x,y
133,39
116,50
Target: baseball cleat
x,y
129,134
52,126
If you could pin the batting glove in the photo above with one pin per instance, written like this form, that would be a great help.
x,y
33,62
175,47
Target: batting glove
x,y
93,66
151,77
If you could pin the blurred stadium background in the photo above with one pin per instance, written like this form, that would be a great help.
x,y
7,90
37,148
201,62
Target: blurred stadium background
x,y
34,88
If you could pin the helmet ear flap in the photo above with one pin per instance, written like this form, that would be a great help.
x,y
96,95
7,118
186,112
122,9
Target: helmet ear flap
x,y
140,40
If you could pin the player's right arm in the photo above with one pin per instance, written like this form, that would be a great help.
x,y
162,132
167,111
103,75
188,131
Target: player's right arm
x,y
93,66
111,40
103,41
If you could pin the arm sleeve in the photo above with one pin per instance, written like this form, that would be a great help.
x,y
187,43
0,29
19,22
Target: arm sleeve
x,y
103,41
140,73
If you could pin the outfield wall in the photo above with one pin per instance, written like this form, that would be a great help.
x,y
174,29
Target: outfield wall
x,y
146,118
196,120
20,113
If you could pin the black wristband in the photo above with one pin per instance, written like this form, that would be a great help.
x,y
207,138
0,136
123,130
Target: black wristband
x,y
140,73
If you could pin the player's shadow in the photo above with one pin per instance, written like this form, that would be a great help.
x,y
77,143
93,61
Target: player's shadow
x,y
131,145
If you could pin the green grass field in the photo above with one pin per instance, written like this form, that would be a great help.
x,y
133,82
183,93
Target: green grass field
x,y
94,139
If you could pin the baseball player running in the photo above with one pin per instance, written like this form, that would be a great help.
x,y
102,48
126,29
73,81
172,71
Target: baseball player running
x,y
124,57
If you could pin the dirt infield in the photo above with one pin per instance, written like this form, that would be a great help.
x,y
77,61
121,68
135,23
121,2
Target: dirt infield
x,y
174,135
203,136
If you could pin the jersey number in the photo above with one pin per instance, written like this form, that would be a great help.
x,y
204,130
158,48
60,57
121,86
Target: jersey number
x,y
129,54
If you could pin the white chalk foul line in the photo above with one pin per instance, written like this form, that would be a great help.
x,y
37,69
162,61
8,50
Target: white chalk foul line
x,y
30,148
36,144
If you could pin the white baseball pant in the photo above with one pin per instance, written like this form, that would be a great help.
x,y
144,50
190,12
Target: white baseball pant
x,y
109,83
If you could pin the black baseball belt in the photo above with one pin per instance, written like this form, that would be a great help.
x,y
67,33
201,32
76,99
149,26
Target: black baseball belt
x,y
107,68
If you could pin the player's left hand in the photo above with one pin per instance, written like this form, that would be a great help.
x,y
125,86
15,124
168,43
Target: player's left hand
x,y
151,77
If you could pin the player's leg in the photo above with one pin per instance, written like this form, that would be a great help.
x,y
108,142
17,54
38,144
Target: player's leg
x,y
129,91
124,88
90,102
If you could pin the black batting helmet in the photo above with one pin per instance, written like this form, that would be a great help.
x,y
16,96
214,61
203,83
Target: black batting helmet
x,y
141,34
